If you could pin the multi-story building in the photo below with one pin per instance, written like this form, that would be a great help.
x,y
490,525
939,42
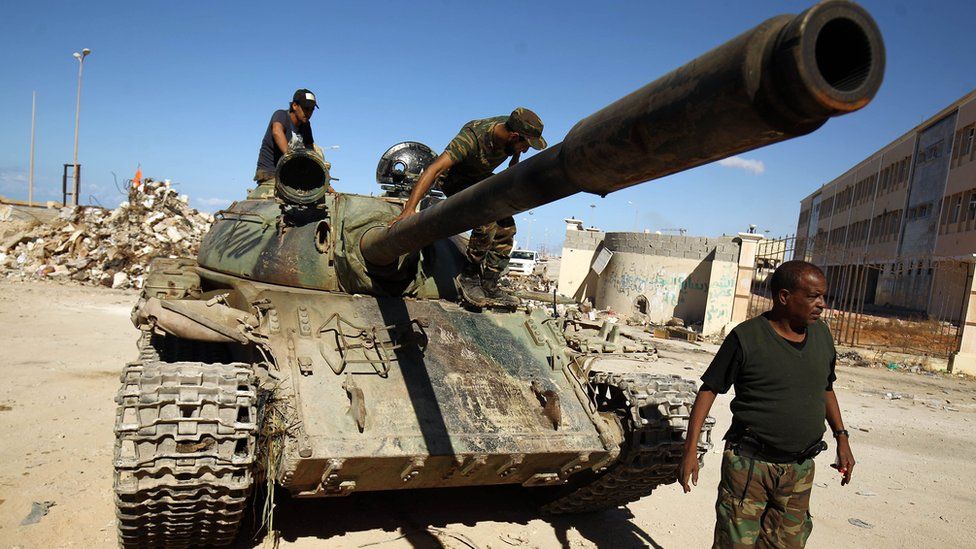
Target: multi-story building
x,y
899,228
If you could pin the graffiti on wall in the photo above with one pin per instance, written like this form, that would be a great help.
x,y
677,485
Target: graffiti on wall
x,y
665,288
720,297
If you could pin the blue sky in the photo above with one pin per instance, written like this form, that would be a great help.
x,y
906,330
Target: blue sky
x,y
186,89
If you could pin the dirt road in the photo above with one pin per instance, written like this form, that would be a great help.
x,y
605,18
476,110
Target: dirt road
x,y
63,348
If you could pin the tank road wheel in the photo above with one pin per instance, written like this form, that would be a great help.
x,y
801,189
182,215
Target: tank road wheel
x,y
185,441
654,411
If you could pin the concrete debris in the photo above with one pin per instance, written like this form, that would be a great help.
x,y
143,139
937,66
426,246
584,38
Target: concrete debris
x,y
675,332
529,284
849,355
95,246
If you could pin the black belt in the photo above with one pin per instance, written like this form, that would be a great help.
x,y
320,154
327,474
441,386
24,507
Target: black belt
x,y
750,447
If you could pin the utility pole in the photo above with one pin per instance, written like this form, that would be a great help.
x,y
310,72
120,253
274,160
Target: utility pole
x,y
30,176
81,66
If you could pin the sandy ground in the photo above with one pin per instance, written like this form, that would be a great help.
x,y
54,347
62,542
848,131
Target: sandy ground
x,y
63,348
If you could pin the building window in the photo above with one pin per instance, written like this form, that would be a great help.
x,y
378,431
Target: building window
x,y
971,211
956,206
963,145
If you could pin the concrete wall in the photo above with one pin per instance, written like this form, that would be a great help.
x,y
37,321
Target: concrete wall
x,y
965,360
905,284
692,278
948,290
576,278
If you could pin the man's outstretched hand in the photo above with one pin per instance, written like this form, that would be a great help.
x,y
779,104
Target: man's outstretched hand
x,y
688,470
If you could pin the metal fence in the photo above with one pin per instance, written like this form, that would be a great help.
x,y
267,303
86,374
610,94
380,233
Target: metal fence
x,y
852,315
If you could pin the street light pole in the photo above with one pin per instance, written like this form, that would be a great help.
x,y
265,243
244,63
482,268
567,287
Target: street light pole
x,y
30,177
81,66
528,231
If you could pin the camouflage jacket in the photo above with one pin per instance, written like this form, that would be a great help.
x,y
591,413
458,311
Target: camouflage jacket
x,y
474,154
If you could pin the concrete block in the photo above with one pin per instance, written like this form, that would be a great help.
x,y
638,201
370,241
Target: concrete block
x,y
692,255
963,363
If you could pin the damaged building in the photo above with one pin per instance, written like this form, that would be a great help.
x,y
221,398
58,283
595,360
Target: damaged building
x,y
703,281
899,228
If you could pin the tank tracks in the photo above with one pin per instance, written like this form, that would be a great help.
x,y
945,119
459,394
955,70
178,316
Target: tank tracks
x,y
184,452
654,411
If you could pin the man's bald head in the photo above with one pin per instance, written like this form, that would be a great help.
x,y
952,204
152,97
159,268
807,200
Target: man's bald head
x,y
789,275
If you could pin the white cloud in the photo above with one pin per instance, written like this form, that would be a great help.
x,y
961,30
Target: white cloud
x,y
208,204
755,166
13,180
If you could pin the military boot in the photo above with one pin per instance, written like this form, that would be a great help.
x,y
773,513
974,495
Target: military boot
x,y
495,295
468,284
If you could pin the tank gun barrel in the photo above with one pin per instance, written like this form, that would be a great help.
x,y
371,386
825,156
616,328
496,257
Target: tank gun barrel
x,y
782,79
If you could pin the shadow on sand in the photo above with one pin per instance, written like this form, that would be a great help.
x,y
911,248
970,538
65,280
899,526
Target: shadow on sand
x,y
424,519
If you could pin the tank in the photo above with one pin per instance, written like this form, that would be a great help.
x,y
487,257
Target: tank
x,y
314,348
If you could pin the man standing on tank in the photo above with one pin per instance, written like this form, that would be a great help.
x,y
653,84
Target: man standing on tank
x,y
479,148
287,130
781,364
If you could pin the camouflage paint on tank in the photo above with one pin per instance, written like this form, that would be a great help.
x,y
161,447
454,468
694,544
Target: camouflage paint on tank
x,y
250,240
457,395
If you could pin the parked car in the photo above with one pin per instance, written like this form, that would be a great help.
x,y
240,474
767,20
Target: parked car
x,y
523,262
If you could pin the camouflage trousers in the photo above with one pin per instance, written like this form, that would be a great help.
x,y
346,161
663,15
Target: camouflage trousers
x,y
491,245
768,507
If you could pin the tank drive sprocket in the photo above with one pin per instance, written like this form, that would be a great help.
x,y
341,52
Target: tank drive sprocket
x,y
654,411
184,452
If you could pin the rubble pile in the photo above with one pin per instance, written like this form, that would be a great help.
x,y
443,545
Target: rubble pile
x,y
96,246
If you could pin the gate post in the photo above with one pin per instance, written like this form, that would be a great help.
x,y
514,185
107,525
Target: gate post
x,y
964,360
748,245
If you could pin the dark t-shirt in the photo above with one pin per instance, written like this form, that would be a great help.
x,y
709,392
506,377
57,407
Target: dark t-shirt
x,y
779,385
269,154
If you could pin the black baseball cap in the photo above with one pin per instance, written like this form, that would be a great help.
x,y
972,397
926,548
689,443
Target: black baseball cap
x,y
305,99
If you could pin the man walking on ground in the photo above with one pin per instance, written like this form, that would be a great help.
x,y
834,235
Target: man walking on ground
x,y
781,364
479,148
287,130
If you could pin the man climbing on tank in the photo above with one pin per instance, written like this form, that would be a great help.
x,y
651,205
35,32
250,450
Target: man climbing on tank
x,y
480,147
287,130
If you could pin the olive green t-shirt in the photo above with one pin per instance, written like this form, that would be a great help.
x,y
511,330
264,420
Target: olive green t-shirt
x,y
474,153
779,386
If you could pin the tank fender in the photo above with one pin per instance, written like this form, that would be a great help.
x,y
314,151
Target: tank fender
x,y
195,319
